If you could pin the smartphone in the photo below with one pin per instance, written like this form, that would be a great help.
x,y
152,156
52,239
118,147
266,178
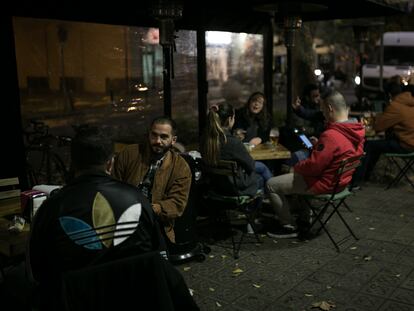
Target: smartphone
x,y
305,141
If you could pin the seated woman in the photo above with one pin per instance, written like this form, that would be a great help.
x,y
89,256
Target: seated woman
x,y
253,122
219,144
252,125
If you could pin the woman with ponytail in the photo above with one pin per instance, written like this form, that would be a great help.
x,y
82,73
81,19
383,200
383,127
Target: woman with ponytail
x,y
219,144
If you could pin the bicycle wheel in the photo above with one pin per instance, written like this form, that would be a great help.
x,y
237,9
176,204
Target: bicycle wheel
x,y
46,167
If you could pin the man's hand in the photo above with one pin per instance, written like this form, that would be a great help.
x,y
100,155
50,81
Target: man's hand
x,y
255,141
240,133
313,140
296,104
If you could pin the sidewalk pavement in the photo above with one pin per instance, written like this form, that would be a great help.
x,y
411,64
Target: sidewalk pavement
x,y
374,273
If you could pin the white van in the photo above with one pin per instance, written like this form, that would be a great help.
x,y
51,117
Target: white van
x,y
397,59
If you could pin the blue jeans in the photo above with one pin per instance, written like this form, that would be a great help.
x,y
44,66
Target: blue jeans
x,y
298,156
373,149
263,171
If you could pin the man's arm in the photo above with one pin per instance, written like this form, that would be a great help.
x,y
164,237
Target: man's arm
x,y
388,119
320,158
175,199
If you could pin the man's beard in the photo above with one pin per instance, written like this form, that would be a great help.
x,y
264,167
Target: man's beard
x,y
160,150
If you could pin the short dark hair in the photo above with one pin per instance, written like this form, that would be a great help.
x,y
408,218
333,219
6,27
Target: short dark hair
x,y
166,120
309,88
92,146
394,86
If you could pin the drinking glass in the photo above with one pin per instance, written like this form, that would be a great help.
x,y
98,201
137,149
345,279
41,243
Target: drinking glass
x,y
274,136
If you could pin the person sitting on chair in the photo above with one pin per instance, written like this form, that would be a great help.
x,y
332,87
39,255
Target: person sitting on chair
x,y
160,172
92,218
342,138
308,115
397,120
253,122
219,144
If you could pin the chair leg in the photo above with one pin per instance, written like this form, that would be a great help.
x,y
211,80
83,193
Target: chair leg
x,y
347,207
346,224
403,170
318,218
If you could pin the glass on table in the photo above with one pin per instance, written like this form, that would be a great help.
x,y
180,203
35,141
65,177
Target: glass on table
x,y
274,136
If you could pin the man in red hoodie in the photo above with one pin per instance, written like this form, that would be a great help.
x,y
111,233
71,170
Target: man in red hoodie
x,y
341,139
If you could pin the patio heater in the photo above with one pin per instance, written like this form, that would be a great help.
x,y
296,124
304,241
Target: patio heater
x,y
291,23
166,12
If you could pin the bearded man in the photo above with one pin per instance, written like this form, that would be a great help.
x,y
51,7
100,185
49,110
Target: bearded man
x,y
158,171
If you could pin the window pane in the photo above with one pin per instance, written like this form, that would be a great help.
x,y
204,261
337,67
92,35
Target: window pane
x,y
234,66
74,73
184,88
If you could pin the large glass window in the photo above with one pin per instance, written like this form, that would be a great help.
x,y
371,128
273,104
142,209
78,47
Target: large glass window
x,y
234,66
184,88
73,73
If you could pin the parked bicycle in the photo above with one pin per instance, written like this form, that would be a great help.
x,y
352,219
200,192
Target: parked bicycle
x,y
43,163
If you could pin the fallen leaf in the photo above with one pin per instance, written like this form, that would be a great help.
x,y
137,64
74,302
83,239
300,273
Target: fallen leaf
x,y
257,285
328,287
191,291
367,258
308,295
211,256
324,305
263,235
218,304
356,257
353,247
357,218
237,271
211,289
274,241
186,268
398,275
371,228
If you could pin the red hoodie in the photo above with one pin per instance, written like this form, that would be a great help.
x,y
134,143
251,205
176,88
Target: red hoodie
x,y
339,141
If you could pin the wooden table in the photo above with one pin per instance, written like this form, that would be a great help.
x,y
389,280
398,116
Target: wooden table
x,y
269,152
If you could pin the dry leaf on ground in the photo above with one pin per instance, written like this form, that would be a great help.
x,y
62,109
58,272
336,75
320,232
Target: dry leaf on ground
x,y
323,305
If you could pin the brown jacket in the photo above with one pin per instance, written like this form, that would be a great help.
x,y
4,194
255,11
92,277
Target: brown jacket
x,y
399,115
171,185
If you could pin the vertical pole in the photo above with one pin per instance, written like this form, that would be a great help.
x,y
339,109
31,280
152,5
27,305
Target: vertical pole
x,y
289,90
361,64
11,133
268,68
167,79
201,80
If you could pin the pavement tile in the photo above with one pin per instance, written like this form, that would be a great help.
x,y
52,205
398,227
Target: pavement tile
x,y
390,305
368,302
375,272
252,301
403,295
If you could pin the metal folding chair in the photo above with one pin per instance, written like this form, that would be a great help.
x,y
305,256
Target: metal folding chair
x,y
334,199
242,204
404,168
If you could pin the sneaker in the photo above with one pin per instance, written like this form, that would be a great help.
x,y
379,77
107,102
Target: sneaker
x,y
283,232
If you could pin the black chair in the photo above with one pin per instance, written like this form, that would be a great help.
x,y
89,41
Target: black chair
x,y
404,167
320,203
223,205
187,246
